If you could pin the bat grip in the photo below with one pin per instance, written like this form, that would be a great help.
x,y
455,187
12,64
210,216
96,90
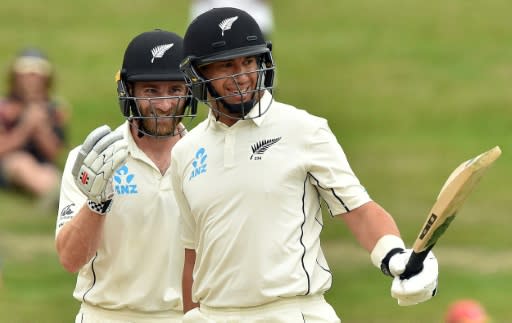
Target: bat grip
x,y
415,263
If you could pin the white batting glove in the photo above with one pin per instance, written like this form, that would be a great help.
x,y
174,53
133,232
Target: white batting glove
x,y
418,288
102,152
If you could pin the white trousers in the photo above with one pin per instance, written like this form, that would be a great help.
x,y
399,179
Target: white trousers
x,y
93,314
299,309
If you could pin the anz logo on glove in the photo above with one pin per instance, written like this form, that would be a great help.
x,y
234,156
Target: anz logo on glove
x,y
124,184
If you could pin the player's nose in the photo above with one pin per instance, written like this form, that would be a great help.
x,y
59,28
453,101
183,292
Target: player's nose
x,y
166,104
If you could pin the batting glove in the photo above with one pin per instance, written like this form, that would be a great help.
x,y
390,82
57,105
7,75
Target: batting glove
x,y
416,289
102,152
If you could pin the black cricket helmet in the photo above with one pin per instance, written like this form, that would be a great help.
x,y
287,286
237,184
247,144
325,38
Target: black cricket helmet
x,y
152,56
221,34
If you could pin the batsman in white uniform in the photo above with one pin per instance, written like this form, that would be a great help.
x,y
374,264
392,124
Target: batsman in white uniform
x,y
249,181
118,222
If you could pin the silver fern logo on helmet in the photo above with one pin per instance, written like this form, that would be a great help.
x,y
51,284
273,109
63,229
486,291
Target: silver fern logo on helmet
x,y
159,51
226,24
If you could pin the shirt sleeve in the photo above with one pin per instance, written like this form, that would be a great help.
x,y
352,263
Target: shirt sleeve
x,y
187,220
71,198
331,172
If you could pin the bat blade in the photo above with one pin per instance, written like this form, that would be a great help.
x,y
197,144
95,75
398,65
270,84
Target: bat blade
x,y
452,196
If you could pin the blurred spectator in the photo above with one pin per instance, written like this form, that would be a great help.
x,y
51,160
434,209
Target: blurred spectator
x,y
31,127
466,311
260,10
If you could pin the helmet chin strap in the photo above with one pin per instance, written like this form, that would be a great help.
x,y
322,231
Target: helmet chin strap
x,y
239,109
138,126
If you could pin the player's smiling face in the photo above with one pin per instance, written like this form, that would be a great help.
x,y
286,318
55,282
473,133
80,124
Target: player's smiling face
x,y
158,103
235,80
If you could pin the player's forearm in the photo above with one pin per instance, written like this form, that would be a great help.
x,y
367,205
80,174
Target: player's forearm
x,y
79,239
369,223
188,304
188,280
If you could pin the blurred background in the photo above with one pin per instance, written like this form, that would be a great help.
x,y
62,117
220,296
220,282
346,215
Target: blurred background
x,y
410,88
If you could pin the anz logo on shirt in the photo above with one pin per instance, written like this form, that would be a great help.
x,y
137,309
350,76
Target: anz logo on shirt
x,y
124,184
199,163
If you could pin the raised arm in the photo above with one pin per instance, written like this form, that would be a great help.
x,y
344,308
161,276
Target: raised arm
x,y
101,154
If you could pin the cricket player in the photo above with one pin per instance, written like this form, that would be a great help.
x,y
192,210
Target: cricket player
x,y
249,181
117,224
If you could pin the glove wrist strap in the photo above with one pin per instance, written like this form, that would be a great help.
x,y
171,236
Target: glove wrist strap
x,y
101,208
383,246
384,266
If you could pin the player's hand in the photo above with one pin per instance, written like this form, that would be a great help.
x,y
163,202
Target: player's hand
x,y
102,152
418,288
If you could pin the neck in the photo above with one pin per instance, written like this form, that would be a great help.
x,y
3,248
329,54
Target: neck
x,y
157,149
224,115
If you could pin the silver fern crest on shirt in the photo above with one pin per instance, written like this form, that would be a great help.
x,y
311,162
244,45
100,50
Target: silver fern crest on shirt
x,y
159,51
227,23
261,147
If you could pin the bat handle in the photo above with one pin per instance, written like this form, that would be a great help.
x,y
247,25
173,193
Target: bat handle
x,y
415,263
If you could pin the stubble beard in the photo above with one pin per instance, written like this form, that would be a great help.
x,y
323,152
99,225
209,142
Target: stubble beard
x,y
159,127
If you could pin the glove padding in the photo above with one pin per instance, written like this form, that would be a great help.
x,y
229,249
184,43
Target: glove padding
x,y
102,152
418,288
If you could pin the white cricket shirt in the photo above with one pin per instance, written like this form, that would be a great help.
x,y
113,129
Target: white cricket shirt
x,y
250,201
139,263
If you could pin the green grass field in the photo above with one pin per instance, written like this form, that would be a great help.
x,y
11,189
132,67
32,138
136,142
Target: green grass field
x,y
410,88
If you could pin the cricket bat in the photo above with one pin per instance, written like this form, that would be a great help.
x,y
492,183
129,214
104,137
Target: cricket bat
x,y
454,192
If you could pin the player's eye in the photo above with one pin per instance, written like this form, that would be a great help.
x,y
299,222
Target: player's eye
x,y
249,60
226,64
150,91
178,90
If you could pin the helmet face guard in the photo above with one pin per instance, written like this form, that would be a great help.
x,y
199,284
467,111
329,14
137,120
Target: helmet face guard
x,y
201,86
223,34
150,123
153,124
153,56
